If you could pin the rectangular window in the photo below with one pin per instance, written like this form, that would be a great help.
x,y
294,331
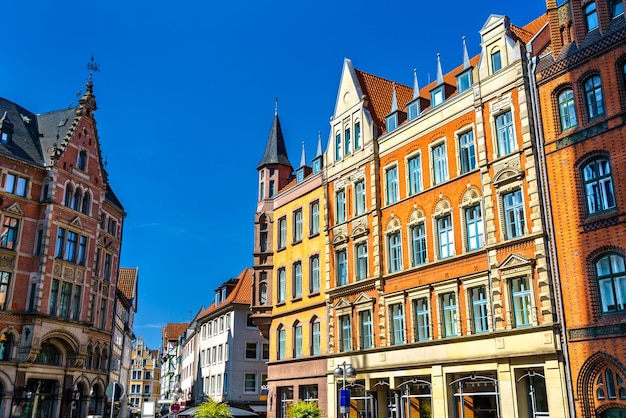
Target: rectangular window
x,y
271,188
108,259
54,297
448,302
415,175
437,96
422,319
464,81
397,323
282,285
297,342
513,214
445,233
8,239
282,340
391,180
342,268
440,164
392,122
297,280
347,139
346,333
337,146
357,135
479,309
418,240
413,109
504,134
474,228
282,232
467,151
266,351
366,334
520,293
361,261
359,197
316,338
250,383
65,299
15,185
70,246
395,252
297,226
315,274
58,253
496,62
103,313
251,351
340,197
82,250
5,283
315,218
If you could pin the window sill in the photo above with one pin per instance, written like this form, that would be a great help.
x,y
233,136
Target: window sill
x,y
314,235
296,242
297,299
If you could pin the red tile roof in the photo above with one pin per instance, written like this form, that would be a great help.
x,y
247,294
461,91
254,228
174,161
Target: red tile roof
x,y
127,280
172,331
241,294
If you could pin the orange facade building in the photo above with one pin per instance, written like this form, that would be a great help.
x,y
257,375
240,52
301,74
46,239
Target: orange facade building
x,y
581,87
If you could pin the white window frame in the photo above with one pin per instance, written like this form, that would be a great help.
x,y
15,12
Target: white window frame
x,y
439,164
419,183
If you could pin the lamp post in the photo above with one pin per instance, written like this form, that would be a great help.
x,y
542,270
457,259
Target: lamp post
x,y
176,392
344,371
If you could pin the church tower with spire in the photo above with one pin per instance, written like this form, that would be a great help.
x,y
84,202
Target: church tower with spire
x,y
275,172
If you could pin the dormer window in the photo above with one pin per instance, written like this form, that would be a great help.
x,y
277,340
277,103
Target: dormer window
x,y
223,294
392,122
437,96
464,80
4,137
413,109
300,175
217,297
496,61
317,165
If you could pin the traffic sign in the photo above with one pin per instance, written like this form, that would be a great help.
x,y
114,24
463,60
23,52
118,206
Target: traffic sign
x,y
174,408
115,388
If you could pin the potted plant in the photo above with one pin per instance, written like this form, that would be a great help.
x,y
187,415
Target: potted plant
x,y
304,409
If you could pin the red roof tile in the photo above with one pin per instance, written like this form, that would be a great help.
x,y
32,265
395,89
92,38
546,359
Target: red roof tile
x,y
241,294
127,280
172,331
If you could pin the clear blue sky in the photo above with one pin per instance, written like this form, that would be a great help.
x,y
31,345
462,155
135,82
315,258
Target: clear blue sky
x,y
186,99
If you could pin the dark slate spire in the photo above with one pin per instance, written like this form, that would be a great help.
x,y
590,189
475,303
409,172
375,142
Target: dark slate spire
x,y
275,150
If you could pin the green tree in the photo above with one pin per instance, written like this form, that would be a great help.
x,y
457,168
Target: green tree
x,y
304,409
212,409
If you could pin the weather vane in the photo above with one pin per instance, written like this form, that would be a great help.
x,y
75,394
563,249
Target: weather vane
x,y
92,66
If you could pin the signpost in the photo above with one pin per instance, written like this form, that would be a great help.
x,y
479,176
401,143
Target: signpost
x,y
115,391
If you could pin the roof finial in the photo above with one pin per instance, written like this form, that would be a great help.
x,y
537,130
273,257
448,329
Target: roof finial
x,y
416,86
303,158
319,144
276,108
466,61
92,66
394,100
439,71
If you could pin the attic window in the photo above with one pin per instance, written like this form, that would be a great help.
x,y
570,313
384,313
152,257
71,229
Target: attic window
x,y
496,61
300,175
437,96
4,137
392,122
82,159
464,80
62,122
413,109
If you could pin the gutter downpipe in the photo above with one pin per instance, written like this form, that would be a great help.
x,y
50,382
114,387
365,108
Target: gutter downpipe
x,y
547,211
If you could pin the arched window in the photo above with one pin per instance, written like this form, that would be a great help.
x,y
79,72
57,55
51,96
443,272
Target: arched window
x,y
89,360
77,199
263,293
6,345
611,277
48,355
69,194
297,340
617,8
591,16
594,97
609,385
567,109
86,204
598,184
282,342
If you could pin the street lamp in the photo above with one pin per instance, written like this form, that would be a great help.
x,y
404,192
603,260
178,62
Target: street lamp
x,y
344,371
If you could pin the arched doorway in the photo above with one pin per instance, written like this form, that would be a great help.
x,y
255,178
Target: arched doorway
x,y
614,413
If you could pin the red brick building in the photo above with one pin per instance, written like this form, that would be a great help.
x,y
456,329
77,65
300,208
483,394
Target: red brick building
x,y
583,101
59,256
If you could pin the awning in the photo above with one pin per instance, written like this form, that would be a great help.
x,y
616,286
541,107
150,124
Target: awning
x,y
259,408
236,412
